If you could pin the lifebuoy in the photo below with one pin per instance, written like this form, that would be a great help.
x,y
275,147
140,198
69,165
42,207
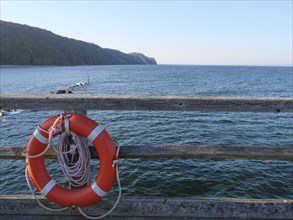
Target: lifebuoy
x,y
85,196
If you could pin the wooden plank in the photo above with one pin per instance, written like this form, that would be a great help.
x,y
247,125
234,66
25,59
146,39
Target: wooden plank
x,y
145,103
22,206
175,151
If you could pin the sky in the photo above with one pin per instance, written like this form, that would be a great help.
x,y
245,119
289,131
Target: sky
x,y
173,32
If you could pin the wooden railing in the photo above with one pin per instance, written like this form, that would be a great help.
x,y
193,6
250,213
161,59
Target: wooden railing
x,y
145,103
19,206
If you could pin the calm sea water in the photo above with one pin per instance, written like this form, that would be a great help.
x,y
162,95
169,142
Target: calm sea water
x,y
166,177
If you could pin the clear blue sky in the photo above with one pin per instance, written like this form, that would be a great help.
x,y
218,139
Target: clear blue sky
x,y
174,32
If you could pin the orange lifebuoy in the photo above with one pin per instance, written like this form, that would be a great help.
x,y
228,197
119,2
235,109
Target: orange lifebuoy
x,y
85,196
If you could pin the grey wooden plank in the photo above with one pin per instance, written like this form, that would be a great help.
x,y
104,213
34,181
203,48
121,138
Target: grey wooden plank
x,y
175,151
215,208
145,103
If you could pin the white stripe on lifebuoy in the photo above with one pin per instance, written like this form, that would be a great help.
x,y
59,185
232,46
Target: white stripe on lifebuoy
x,y
95,133
40,137
98,190
48,187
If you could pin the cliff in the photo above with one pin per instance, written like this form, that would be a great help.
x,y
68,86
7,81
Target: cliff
x,y
25,45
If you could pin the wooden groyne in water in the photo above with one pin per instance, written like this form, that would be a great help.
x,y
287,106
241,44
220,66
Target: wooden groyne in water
x,y
24,206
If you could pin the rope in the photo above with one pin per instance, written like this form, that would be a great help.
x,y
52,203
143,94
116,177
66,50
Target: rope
x,y
53,130
115,164
76,172
24,153
28,179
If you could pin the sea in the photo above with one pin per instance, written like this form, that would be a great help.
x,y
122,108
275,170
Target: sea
x,y
194,178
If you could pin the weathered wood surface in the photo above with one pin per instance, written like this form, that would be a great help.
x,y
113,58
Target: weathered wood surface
x,y
174,151
148,103
24,207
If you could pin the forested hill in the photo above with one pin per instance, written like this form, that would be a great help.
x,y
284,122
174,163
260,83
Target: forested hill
x,y
25,45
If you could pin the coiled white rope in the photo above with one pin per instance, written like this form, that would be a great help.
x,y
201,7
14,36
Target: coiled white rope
x,y
76,172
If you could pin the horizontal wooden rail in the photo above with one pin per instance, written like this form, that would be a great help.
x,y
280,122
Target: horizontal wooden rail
x,y
172,151
145,103
25,207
